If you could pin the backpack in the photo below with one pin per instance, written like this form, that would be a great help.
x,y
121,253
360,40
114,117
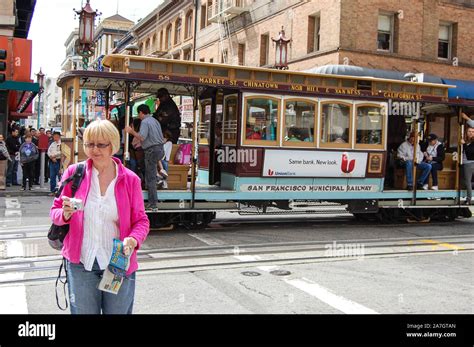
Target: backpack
x,y
28,153
183,154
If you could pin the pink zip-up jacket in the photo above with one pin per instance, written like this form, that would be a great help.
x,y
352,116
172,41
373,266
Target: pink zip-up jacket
x,y
133,222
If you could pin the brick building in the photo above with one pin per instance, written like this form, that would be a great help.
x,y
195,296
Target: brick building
x,y
430,36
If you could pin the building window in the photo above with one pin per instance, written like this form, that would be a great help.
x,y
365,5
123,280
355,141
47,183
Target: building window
x,y
161,40
187,55
177,31
202,60
336,124
224,56
299,123
314,26
264,46
188,31
211,60
169,30
261,120
369,126
444,41
241,54
141,49
203,16
385,33
209,12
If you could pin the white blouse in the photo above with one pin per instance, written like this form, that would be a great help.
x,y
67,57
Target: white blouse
x,y
101,223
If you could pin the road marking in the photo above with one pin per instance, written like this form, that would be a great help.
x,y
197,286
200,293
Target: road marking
x,y
13,207
13,298
443,244
247,257
14,249
208,240
338,302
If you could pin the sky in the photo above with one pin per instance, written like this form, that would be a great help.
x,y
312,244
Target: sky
x,y
53,21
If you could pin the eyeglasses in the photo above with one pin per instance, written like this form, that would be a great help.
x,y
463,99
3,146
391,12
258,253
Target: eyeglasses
x,y
98,145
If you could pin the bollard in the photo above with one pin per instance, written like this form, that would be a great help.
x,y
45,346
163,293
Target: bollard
x,y
42,168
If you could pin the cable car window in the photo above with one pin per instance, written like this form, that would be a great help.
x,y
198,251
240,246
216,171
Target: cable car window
x,y
242,74
200,70
204,121
261,120
369,126
299,123
230,120
336,125
331,82
348,83
279,77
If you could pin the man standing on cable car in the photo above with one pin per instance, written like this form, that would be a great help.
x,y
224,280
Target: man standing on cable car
x,y
405,154
168,114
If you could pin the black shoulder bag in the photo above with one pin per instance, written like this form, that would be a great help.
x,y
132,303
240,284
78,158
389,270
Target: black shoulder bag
x,y
57,233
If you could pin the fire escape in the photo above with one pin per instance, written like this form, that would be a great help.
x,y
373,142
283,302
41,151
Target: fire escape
x,y
223,11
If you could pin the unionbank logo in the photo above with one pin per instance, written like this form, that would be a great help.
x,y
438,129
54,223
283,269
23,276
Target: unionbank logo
x,y
270,172
347,166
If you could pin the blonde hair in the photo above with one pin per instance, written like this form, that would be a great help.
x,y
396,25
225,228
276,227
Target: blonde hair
x,y
103,129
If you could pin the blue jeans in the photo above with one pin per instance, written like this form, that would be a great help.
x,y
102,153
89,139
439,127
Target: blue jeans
x,y
165,165
12,170
425,171
86,298
53,173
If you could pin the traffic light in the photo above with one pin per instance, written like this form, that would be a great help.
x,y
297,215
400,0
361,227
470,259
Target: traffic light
x,y
3,64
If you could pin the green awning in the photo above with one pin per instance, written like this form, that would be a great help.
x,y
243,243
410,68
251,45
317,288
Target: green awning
x,y
20,86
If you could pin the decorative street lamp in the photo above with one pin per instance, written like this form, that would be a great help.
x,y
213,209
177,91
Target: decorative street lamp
x,y
281,50
40,80
85,43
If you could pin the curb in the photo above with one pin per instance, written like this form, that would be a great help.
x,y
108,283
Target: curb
x,y
9,194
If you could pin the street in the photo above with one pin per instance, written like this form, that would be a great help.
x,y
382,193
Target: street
x,y
318,264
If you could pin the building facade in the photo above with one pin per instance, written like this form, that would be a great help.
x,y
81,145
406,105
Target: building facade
x,y
72,59
430,36
108,34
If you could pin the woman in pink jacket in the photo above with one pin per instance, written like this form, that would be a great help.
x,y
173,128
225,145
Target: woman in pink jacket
x,y
113,208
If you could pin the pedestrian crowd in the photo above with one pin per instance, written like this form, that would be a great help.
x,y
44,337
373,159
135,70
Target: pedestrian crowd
x,y
22,148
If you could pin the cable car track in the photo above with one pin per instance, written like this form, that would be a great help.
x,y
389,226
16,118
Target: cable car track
x,y
399,246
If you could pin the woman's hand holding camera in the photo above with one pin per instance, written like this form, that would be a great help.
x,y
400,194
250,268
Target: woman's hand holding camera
x,y
68,208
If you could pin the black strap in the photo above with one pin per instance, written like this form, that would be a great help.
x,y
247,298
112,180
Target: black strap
x,y
76,179
63,265
76,182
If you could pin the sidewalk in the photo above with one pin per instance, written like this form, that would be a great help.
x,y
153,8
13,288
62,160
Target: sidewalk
x,y
14,191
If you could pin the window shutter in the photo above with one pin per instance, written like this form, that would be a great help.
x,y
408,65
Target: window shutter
x,y
311,33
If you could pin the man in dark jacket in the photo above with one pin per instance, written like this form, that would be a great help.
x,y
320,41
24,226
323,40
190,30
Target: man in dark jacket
x,y
434,155
13,146
168,114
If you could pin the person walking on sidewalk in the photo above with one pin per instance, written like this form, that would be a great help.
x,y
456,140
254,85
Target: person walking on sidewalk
x,y
13,146
54,154
28,155
152,141
43,145
113,209
4,159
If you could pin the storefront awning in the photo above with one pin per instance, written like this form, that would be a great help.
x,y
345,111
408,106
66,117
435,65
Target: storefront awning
x,y
464,89
20,86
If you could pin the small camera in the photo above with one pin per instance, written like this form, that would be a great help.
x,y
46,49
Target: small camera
x,y
77,204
